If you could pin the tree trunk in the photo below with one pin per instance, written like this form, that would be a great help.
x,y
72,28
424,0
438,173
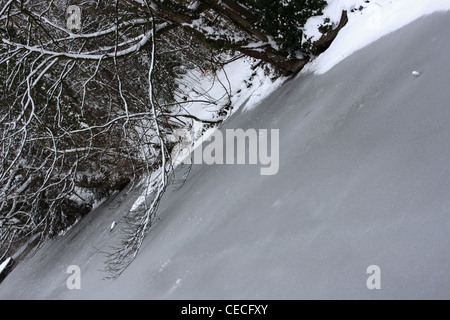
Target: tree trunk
x,y
327,39
243,20
277,59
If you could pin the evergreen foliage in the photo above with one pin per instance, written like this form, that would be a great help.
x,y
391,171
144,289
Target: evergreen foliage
x,y
283,20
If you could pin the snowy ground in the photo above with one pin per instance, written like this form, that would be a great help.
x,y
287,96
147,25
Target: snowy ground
x,y
368,22
364,180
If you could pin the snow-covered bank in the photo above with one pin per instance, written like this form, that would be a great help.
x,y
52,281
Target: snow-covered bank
x,y
368,22
6,267
4,264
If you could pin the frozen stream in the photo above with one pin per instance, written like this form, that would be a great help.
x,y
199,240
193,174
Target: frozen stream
x,y
364,180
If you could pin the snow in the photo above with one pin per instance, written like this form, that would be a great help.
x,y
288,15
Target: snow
x,y
363,181
246,86
377,19
150,184
4,264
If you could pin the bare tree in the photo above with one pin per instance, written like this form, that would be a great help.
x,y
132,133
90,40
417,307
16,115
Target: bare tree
x,y
88,108
74,118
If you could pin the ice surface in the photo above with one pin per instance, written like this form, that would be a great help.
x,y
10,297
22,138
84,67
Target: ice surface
x,y
364,180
